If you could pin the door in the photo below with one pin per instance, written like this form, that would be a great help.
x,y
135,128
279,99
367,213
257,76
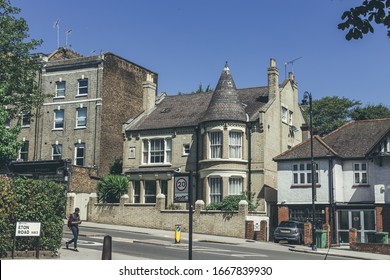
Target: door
x,y
81,201
363,220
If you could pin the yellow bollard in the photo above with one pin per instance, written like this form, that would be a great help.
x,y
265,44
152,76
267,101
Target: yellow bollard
x,y
177,234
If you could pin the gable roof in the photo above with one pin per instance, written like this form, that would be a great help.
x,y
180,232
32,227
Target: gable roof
x,y
356,139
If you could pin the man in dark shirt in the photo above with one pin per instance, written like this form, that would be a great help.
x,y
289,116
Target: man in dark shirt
x,y
75,221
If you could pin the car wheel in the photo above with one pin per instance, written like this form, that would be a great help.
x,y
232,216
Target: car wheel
x,y
276,240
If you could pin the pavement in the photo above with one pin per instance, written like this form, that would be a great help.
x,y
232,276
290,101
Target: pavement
x,y
91,254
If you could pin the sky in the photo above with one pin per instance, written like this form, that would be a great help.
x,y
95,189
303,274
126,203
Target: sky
x,y
188,42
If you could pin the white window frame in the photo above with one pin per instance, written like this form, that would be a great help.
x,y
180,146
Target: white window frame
x,y
53,149
26,121
60,92
81,121
216,144
235,144
284,113
290,117
57,119
76,157
81,88
215,187
235,186
186,149
150,151
360,173
23,151
302,173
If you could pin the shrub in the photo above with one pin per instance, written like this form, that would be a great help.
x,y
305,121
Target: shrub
x,y
111,188
231,203
31,201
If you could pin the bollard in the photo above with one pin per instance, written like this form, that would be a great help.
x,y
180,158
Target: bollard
x,y
177,234
107,248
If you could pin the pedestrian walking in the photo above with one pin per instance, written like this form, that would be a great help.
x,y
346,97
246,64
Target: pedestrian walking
x,y
73,223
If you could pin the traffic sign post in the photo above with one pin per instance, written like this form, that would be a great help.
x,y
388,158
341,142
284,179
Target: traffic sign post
x,y
183,193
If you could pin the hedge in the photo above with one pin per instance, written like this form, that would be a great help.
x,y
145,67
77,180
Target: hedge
x,y
31,201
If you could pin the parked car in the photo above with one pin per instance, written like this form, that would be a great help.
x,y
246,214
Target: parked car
x,y
290,231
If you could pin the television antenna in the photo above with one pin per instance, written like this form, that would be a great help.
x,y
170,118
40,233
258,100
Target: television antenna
x,y
57,26
67,34
292,66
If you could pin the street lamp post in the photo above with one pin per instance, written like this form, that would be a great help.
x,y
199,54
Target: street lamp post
x,y
306,96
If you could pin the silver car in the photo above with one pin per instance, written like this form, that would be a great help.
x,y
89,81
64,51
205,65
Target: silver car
x,y
290,231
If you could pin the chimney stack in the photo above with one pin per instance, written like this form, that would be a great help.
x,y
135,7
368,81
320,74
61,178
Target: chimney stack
x,y
273,78
149,94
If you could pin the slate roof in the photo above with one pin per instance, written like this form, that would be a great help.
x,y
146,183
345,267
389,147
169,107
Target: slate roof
x,y
186,110
356,139
224,104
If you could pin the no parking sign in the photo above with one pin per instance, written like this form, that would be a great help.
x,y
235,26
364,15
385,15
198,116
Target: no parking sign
x,y
181,185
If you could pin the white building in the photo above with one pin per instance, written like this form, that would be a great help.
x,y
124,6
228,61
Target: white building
x,y
352,180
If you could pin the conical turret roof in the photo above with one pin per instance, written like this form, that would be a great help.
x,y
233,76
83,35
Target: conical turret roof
x,y
224,104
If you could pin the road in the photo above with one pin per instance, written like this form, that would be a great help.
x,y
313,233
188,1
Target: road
x,y
162,247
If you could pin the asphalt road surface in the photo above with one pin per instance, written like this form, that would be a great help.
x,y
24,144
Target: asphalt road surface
x,y
148,246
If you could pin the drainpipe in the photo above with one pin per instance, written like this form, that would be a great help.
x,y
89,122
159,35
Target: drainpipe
x,y
332,219
197,182
249,127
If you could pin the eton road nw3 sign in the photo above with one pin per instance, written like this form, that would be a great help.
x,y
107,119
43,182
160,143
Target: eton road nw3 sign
x,y
28,229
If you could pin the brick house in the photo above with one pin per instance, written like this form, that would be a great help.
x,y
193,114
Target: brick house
x,y
227,138
352,180
89,99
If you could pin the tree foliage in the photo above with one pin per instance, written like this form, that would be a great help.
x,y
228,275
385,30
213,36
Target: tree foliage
x,y
116,166
370,112
31,200
18,74
358,20
329,113
111,188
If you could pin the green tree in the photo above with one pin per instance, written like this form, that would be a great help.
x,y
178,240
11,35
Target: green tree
x,y
18,72
8,138
370,112
329,113
116,166
358,19
111,187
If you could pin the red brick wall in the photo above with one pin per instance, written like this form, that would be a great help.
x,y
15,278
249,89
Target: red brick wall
x,y
379,219
371,247
283,214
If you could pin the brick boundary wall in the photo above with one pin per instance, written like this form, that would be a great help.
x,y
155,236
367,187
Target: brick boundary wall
x,y
370,247
155,216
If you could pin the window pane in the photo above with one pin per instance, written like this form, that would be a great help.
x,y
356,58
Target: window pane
x,y
137,191
369,220
356,167
296,178
216,144
83,86
343,220
235,186
364,178
57,152
59,119
364,166
235,144
357,178
81,117
215,189
302,166
150,191
60,89
295,167
302,175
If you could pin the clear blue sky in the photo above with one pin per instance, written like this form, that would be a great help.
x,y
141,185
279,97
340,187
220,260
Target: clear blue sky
x,y
188,42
